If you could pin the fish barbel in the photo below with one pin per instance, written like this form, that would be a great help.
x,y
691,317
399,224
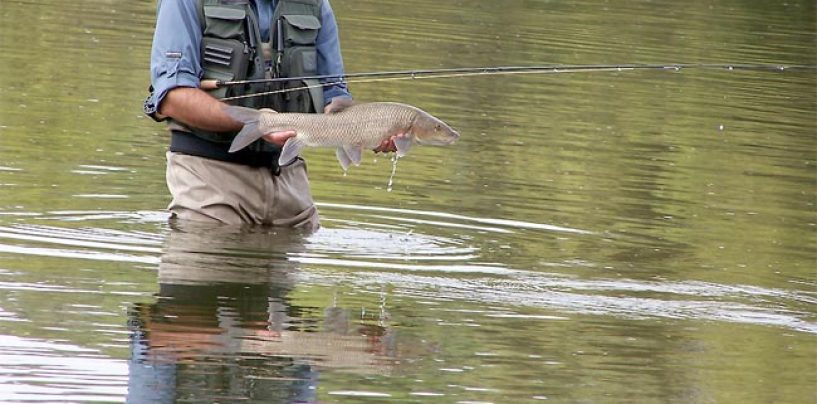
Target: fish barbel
x,y
351,130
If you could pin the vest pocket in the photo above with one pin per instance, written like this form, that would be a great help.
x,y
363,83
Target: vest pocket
x,y
224,21
300,61
225,58
300,29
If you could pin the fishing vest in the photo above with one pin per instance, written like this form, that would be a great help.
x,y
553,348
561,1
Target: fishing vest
x,y
232,50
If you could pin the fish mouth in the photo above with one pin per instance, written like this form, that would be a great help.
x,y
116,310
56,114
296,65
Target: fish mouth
x,y
451,137
446,135
441,140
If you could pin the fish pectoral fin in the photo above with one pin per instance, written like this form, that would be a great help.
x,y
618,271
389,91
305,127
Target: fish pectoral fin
x,y
292,148
403,144
343,158
354,152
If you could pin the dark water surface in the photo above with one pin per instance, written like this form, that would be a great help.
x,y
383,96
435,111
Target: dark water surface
x,y
593,237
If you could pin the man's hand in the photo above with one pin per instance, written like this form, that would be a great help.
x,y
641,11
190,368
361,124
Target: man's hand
x,y
279,138
338,104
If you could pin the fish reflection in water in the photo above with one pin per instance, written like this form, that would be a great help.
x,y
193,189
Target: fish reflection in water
x,y
222,326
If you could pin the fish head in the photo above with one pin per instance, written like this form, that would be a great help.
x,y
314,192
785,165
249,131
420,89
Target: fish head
x,y
428,130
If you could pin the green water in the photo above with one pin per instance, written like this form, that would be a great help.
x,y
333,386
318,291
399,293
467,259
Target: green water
x,y
593,237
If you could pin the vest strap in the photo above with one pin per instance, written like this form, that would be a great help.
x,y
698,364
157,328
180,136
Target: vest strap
x,y
232,49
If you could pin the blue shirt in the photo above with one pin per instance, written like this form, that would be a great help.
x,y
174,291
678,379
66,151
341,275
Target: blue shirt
x,y
175,55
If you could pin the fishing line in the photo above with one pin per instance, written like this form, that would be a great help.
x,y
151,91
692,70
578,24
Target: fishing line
x,y
416,77
373,77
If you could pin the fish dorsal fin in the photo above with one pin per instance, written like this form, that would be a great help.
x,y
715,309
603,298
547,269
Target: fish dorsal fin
x,y
339,105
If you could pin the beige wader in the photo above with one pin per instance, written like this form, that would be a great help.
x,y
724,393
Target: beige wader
x,y
217,191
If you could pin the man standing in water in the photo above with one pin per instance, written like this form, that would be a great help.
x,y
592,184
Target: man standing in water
x,y
228,40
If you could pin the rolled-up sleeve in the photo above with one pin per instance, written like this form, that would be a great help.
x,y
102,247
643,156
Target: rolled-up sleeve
x,y
174,57
330,61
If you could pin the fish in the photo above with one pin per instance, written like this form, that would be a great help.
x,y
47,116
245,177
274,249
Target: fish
x,y
351,129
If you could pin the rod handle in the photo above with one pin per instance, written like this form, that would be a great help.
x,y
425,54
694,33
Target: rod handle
x,y
209,84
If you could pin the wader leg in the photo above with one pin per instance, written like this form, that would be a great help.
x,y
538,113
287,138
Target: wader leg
x,y
216,191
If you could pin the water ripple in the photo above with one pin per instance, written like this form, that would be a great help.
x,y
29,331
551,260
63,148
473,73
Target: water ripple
x,y
397,214
42,371
723,302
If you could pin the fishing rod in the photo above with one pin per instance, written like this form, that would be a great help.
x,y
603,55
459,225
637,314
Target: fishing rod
x,y
368,77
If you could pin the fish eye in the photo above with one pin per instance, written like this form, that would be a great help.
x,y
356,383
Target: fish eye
x,y
437,127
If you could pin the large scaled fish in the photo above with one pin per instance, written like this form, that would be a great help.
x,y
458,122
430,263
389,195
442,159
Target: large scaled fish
x,y
351,130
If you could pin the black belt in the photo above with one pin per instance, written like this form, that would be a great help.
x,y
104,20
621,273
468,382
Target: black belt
x,y
188,143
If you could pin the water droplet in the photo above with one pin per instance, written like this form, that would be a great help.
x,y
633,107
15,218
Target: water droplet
x,y
393,171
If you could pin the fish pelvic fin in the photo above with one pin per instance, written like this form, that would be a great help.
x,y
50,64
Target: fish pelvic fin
x,y
403,144
292,148
250,132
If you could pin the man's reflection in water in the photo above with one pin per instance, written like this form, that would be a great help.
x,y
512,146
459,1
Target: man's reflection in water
x,y
223,327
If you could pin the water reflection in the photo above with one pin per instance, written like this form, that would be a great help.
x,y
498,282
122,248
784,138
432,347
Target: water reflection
x,y
588,234
223,326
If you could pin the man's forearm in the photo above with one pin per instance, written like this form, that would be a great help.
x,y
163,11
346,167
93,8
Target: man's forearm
x,y
198,109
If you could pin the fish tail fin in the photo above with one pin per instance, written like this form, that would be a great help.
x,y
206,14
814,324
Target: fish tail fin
x,y
292,148
250,132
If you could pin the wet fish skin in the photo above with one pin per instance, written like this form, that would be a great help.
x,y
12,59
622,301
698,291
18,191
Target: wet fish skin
x,y
350,130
